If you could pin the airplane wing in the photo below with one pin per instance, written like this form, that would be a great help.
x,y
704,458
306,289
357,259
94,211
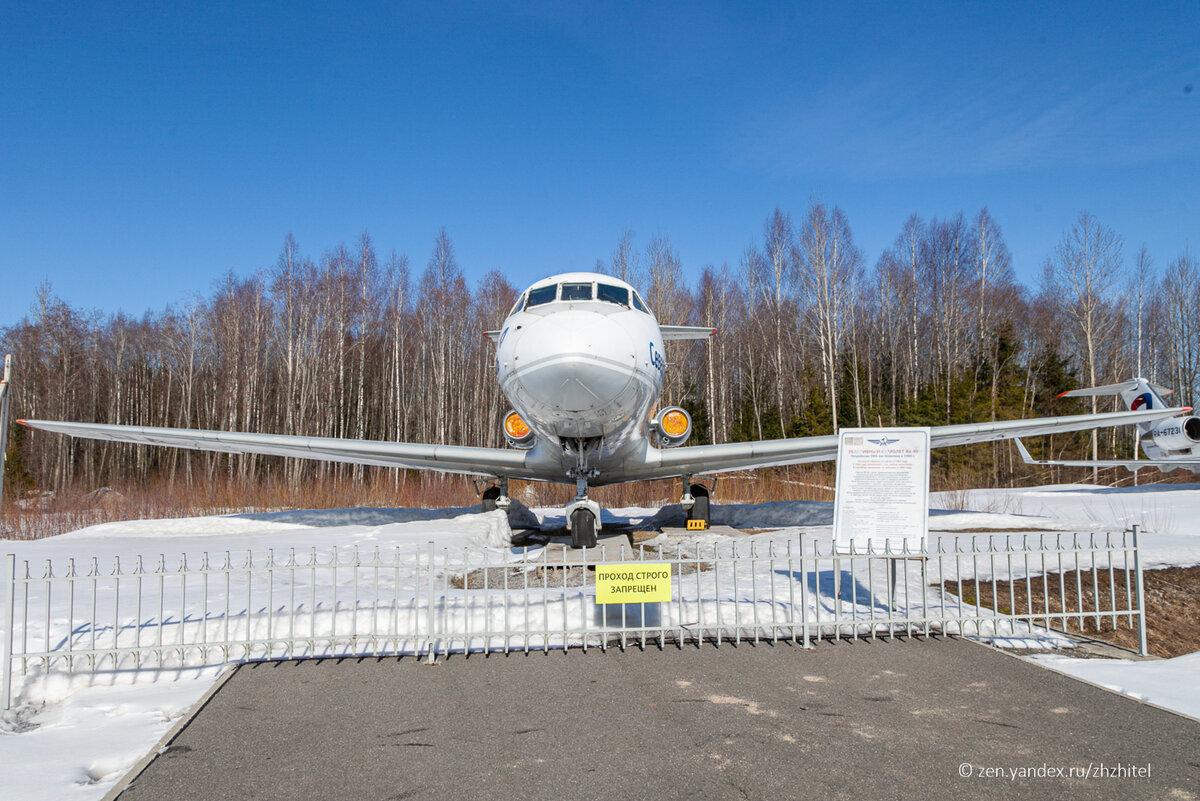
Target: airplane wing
x,y
699,459
669,463
1166,465
444,458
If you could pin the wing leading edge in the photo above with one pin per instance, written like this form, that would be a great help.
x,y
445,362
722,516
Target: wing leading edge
x,y
697,459
444,458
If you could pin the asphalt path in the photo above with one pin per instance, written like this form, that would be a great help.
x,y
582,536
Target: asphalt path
x,y
937,718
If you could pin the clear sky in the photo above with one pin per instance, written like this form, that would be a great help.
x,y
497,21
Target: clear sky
x,y
148,148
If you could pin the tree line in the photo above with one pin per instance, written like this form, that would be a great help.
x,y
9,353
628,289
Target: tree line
x,y
811,338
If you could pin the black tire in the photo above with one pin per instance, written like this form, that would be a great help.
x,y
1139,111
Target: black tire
x,y
699,510
583,529
490,496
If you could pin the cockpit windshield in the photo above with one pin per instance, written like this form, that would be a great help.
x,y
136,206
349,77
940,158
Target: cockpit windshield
x,y
576,292
543,294
608,293
612,294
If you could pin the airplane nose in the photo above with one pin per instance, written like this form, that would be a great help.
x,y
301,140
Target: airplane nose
x,y
575,361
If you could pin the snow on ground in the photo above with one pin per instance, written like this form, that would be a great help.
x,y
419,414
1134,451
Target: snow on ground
x,y
88,733
1166,513
74,735
1169,683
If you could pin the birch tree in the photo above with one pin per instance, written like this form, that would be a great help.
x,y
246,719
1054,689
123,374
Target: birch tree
x,y
1083,277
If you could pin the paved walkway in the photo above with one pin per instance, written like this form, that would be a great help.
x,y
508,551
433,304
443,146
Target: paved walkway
x,y
939,718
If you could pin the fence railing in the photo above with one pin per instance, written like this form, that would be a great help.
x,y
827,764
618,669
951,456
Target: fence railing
x,y
149,614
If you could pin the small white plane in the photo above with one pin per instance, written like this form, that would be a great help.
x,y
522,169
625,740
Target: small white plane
x,y
1169,444
581,359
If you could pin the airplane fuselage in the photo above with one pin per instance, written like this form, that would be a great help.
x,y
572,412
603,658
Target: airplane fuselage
x,y
581,360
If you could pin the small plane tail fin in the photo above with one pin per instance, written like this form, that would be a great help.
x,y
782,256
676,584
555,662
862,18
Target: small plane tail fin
x,y
1136,393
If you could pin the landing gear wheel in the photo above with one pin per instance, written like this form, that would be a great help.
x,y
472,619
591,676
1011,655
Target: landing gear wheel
x,y
490,496
583,529
699,510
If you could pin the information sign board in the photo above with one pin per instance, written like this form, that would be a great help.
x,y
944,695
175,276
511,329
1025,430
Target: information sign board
x,y
882,489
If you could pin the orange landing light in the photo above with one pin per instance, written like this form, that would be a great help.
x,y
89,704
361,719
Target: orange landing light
x,y
515,427
674,423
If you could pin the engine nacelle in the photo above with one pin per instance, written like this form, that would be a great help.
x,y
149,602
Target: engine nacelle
x,y
517,432
671,426
1177,433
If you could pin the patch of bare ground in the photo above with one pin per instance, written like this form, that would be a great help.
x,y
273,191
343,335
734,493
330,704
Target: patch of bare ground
x,y
998,529
1172,596
553,576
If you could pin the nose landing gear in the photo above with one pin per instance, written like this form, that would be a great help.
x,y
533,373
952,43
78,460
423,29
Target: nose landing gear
x,y
583,514
583,517
583,523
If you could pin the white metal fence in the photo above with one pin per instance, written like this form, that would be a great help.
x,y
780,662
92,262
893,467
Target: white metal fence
x,y
151,614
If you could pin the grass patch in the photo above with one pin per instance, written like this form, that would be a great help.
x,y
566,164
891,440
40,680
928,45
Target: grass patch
x,y
1172,596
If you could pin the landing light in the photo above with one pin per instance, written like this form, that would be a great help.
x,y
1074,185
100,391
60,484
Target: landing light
x,y
675,423
515,427
671,426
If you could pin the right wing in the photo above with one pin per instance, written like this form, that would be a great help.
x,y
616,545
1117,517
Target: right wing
x,y
700,459
443,458
1166,465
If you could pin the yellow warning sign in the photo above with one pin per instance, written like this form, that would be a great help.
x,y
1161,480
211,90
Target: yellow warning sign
x,y
635,583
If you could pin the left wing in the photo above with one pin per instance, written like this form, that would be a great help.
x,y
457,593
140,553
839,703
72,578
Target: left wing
x,y
1166,465
698,459
444,458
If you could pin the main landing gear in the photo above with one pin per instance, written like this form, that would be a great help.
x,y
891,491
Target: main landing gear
x,y
496,497
695,503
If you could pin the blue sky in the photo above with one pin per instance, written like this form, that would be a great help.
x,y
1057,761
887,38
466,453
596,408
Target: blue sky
x,y
147,149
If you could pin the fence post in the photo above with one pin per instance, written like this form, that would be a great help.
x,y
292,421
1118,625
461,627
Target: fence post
x,y
10,612
430,654
1141,593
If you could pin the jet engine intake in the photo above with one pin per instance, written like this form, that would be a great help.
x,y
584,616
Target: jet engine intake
x,y
671,426
517,432
1177,433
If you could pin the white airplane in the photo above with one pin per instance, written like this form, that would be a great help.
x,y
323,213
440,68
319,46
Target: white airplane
x,y
1169,444
581,359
